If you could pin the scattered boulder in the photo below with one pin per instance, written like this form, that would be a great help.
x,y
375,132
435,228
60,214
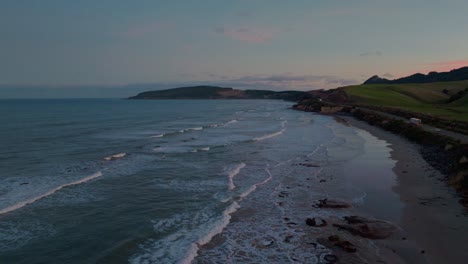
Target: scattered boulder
x,y
367,228
327,203
315,221
336,241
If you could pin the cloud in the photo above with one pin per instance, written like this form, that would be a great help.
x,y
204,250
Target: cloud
x,y
371,53
248,35
286,81
388,75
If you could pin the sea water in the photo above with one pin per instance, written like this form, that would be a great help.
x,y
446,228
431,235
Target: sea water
x,y
133,181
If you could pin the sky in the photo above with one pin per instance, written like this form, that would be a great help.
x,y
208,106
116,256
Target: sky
x,y
108,48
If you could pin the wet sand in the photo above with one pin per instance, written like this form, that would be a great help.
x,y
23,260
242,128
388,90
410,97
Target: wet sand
x,y
432,216
374,175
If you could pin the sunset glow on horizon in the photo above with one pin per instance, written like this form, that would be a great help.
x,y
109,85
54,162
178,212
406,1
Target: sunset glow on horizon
x,y
278,45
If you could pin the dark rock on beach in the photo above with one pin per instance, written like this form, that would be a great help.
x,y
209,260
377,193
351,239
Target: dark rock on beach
x,y
329,203
315,221
367,228
335,241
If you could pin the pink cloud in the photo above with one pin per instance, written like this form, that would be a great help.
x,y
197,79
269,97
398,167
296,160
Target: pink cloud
x,y
249,35
442,66
448,65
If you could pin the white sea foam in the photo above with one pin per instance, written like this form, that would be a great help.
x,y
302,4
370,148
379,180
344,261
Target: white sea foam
x,y
158,136
248,191
233,173
183,245
218,227
195,128
255,186
159,149
58,188
275,134
115,156
200,149
165,224
232,122
270,135
284,162
315,150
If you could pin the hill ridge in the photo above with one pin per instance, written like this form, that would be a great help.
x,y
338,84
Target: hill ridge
x,y
459,74
216,92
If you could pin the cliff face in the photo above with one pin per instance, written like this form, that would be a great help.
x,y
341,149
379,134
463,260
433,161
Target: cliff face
x,y
453,75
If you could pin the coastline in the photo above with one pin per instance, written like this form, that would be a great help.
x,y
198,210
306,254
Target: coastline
x,y
423,210
432,215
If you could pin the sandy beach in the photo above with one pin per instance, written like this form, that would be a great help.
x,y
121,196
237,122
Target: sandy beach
x,y
432,216
377,203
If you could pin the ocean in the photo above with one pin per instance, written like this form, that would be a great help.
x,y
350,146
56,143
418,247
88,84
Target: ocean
x,y
160,181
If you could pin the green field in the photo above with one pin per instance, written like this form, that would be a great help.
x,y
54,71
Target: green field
x,y
427,98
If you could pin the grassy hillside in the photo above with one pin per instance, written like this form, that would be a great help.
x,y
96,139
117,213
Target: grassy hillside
x,y
427,98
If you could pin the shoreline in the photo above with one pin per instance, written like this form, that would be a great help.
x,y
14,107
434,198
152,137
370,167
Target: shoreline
x,y
432,215
277,227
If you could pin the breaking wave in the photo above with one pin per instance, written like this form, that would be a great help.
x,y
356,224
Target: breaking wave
x,y
58,188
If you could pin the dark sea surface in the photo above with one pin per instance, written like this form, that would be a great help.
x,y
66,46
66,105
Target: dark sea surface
x,y
119,181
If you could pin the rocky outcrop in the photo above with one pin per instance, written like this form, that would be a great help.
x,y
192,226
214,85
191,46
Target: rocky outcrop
x,y
331,109
330,203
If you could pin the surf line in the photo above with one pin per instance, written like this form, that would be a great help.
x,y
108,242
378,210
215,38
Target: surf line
x,y
256,185
58,188
233,173
277,133
218,228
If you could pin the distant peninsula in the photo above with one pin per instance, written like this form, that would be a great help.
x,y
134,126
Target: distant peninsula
x,y
215,92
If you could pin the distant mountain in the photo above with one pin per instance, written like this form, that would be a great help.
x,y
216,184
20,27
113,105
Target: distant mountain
x,y
215,92
453,75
